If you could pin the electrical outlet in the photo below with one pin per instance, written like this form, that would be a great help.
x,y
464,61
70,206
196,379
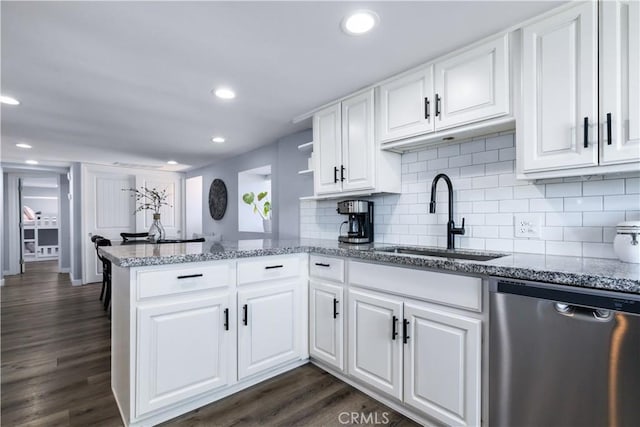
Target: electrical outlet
x,y
527,225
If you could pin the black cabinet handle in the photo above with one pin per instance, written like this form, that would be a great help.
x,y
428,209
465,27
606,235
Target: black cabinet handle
x,y
586,132
226,319
269,267
190,276
427,109
608,128
394,328
321,264
342,172
245,312
405,331
335,174
335,308
437,105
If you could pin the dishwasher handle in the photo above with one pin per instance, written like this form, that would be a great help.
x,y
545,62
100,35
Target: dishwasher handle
x,y
580,312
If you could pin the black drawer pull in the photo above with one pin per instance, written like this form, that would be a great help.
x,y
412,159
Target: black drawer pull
x,y
269,267
405,331
226,319
394,328
321,264
190,276
335,308
245,312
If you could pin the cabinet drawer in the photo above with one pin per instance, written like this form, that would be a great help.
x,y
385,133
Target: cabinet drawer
x,y
183,279
326,268
442,288
268,268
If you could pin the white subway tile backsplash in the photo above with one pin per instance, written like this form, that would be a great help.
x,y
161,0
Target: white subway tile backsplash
x,y
583,204
604,218
449,150
563,248
632,185
497,142
617,203
546,205
578,214
583,234
475,146
565,189
605,187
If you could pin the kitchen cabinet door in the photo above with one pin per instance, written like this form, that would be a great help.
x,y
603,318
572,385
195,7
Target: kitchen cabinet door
x,y
184,349
473,85
406,106
375,341
559,98
326,323
358,144
442,365
620,81
327,150
269,327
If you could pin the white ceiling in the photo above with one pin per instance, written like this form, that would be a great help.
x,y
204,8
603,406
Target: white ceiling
x,y
130,82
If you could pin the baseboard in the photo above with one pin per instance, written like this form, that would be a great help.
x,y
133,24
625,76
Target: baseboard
x,y
2,282
64,270
75,282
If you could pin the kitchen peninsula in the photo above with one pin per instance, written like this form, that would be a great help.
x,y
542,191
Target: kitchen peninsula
x,y
195,322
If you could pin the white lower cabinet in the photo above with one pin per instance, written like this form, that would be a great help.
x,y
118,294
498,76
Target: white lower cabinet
x,y
174,365
326,323
442,368
375,344
269,327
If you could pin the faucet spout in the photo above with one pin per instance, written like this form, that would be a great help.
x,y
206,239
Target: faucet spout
x,y
451,228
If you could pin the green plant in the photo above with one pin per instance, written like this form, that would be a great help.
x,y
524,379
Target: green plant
x,y
149,199
252,200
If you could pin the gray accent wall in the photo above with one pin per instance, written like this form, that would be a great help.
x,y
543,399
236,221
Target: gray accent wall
x,y
286,186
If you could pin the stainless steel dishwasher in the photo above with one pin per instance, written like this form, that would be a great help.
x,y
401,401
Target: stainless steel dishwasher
x,y
563,356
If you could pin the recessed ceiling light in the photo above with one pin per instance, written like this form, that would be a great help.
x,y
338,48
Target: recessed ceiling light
x,y
172,162
217,139
23,145
359,22
31,162
9,100
224,93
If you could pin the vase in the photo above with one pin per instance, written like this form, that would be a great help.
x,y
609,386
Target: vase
x,y
156,231
266,225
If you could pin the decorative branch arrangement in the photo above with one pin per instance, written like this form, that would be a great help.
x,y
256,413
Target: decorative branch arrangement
x,y
264,211
149,199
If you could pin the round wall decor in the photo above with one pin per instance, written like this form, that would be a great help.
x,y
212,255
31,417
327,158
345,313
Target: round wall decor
x,y
217,199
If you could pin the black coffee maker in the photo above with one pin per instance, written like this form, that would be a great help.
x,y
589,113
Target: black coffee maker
x,y
360,222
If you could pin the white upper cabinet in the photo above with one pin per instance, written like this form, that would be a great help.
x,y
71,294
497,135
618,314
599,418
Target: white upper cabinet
x,y
580,110
620,81
473,85
559,114
347,158
406,106
465,88
358,144
327,149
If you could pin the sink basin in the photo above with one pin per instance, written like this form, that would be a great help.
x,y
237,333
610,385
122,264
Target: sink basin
x,y
442,253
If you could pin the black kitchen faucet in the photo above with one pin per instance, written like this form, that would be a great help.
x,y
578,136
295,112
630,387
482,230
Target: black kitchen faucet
x,y
451,228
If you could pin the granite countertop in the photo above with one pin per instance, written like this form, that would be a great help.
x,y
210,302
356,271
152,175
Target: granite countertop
x,y
574,271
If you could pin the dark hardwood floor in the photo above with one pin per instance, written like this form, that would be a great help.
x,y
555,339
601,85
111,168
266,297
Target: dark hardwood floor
x,y
55,362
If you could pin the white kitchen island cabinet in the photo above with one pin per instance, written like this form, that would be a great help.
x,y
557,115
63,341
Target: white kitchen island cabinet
x,y
179,341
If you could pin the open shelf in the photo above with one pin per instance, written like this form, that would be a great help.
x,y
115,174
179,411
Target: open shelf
x,y
306,171
306,146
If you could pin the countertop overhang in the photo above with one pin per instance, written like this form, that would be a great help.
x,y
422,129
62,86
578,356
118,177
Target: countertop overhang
x,y
594,273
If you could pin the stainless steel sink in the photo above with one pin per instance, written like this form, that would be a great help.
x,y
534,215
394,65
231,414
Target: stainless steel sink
x,y
442,253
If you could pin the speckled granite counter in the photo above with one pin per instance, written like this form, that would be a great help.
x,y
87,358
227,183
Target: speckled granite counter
x,y
574,271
